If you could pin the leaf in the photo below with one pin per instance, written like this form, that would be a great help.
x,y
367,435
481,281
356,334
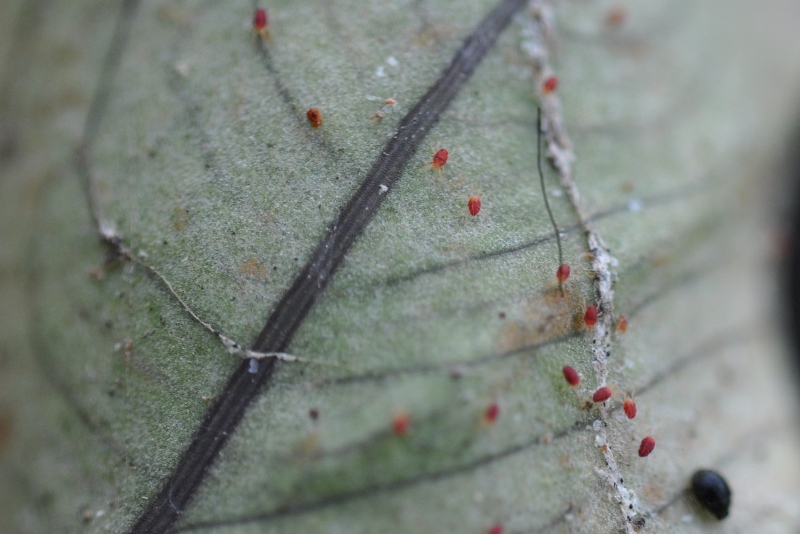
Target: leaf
x,y
198,151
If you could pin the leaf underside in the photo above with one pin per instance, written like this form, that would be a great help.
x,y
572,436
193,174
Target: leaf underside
x,y
203,159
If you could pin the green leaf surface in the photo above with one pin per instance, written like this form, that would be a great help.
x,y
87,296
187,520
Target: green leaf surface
x,y
203,160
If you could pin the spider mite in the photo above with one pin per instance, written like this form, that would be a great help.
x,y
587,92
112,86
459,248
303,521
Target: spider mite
x,y
647,446
571,376
400,424
261,23
314,116
492,413
496,529
474,205
629,406
549,85
562,273
622,324
590,317
602,394
439,160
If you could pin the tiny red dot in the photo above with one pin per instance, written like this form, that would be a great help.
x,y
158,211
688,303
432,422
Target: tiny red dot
x,y
550,84
571,376
562,273
616,16
590,317
647,446
629,407
400,424
440,158
492,412
314,116
602,394
474,205
260,19
496,529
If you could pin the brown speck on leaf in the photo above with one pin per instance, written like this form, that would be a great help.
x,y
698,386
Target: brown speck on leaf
x,y
544,315
313,413
253,267
307,449
96,274
179,219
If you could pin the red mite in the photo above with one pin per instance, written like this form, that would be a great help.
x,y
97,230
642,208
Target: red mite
x,y
261,22
602,394
473,204
647,446
629,407
497,529
571,376
492,412
562,273
440,158
400,424
622,323
314,116
550,84
590,317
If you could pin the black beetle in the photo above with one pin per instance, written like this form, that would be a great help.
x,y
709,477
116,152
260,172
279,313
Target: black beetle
x,y
712,492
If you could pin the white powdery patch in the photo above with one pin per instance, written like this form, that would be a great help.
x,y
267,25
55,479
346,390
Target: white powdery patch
x,y
538,33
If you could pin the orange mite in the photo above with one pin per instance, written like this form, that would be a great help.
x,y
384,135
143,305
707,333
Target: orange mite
x,y
622,323
550,84
590,317
647,446
261,23
602,394
492,413
496,529
629,407
314,116
400,424
440,158
474,205
571,376
562,273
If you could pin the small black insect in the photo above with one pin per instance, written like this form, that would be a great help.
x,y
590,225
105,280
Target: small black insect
x,y
712,492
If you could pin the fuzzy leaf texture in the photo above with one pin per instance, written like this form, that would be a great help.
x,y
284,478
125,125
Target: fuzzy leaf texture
x,y
195,145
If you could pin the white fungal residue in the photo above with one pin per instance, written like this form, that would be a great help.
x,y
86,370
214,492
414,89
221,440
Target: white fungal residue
x,y
539,32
